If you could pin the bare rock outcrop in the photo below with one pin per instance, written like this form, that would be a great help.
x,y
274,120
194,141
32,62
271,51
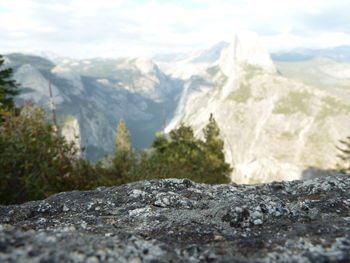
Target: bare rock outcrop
x,y
174,220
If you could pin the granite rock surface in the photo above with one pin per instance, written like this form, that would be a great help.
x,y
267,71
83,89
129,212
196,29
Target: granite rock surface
x,y
174,220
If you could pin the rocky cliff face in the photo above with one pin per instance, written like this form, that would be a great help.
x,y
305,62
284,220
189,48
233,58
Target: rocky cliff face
x,y
137,75
97,94
71,131
273,127
180,221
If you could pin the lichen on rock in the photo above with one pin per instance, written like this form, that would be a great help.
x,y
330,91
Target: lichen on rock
x,y
173,220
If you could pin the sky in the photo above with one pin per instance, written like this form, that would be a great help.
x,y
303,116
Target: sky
x,y
113,28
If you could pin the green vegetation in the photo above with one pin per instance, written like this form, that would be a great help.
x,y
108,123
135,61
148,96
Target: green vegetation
x,y
332,106
218,75
319,138
184,156
288,135
124,159
8,89
282,157
242,94
294,102
251,71
35,162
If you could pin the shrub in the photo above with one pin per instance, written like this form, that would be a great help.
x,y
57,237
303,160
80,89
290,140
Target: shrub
x,y
181,155
35,162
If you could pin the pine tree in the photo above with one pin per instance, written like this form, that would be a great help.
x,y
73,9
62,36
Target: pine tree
x,y
215,168
182,155
124,158
8,89
211,131
344,156
122,143
176,156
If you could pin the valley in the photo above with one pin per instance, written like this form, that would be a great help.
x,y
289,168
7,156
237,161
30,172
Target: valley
x,y
277,118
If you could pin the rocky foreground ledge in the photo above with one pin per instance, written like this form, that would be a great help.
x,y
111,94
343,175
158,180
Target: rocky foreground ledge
x,y
175,220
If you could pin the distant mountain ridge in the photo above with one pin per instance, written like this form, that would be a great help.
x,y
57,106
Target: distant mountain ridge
x,y
324,73
273,127
340,54
133,90
276,118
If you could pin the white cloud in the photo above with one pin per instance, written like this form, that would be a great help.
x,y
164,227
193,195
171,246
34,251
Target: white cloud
x,y
82,28
287,41
18,34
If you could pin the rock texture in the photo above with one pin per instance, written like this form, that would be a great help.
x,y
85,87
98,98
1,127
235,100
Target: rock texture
x,y
98,93
175,220
71,131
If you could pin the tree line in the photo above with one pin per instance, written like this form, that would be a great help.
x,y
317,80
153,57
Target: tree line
x,y
35,162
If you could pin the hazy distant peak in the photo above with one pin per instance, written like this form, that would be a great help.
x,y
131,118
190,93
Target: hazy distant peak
x,y
210,55
48,55
245,48
30,77
61,69
340,54
52,56
37,61
73,77
170,57
144,65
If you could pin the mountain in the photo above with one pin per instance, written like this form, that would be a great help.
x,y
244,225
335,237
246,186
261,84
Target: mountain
x,y
323,73
169,57
277,119
340,54
136,75
207,55
91,96
273,127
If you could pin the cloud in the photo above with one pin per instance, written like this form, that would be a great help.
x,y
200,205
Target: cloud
x,y
81,28
336,18
322,40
